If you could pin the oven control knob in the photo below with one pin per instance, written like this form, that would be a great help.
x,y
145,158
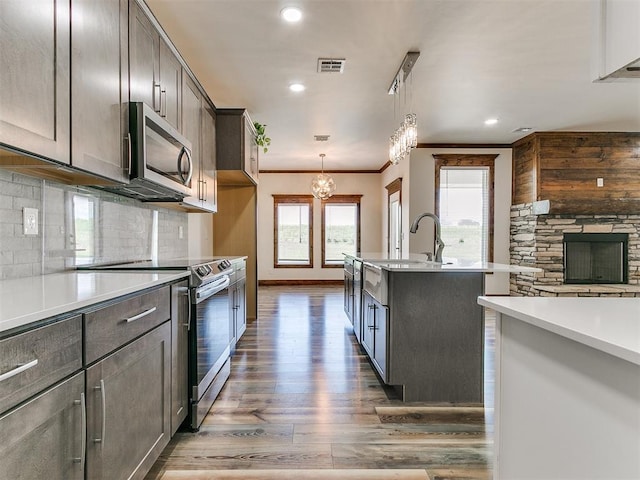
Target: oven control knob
x,y
201,271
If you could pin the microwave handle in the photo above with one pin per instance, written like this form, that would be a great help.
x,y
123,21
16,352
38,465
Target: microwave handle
x,y
185,151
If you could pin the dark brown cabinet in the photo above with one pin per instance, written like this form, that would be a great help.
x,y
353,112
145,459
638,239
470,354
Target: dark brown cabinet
x,y
128,407
180,324
99,82
198,125
237,147
44,438
34,77
156,73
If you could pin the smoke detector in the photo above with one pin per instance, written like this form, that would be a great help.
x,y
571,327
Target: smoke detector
x,y
321,138
331,65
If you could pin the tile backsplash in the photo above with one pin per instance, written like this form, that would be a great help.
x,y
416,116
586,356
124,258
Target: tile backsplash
x,y
80,225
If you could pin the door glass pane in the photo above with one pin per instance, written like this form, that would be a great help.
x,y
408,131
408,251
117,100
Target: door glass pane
x,y
340,231
293,234
395,235
464,213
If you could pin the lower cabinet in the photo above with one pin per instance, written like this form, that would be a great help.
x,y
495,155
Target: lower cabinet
x,y
44,437
128,407
374,332
180,317
238,300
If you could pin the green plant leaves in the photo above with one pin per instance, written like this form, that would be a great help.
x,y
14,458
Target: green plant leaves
x,y
261,137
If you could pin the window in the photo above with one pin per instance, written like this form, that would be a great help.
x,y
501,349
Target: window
x,y
293,231
464,204
340,229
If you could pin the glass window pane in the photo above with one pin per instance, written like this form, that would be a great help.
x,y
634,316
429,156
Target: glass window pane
x,y
340,231
293,234
464,213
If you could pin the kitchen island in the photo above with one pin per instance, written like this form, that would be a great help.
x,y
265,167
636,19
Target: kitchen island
x,y
421,325
567,387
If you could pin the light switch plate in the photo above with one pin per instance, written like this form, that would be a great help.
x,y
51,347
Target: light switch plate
x,y
30,221
600,182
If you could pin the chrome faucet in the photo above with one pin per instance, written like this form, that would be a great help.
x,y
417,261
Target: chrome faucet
x,y
439,243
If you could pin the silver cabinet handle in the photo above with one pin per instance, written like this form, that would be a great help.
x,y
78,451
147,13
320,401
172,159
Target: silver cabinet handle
x,y
19,369
104,412
206,191
156,95
186,294
129,147
163,103
83,429
140,315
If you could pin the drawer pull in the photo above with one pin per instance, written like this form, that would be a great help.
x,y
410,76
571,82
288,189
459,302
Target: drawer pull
x,y
140,315
18,369
103,397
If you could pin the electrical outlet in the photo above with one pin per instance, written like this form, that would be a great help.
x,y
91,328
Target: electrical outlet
x,y
599,182
180,232
30,221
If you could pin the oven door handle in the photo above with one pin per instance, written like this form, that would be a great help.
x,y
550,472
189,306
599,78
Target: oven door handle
x,y
206,291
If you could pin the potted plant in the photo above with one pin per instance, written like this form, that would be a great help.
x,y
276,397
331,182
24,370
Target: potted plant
x,y
261,137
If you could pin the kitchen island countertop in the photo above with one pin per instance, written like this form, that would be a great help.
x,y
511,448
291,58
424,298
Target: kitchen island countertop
x,y
30,299
415,262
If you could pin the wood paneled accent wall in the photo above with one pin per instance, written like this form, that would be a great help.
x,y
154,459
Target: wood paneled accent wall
x,y
563,167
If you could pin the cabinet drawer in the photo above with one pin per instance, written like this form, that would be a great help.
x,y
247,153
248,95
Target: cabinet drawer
x,y
35,360
114,325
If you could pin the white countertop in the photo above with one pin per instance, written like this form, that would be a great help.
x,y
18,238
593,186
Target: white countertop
x,y
26,300
611,325
414,262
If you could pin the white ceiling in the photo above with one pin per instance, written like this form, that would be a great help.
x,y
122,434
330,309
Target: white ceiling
x,y
526,62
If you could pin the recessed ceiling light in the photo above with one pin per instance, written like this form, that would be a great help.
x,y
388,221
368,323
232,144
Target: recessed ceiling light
x,y
491,121
523,130
291,14
296,87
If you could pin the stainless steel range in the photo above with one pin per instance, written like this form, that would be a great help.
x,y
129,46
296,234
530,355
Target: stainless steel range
x,y
210,332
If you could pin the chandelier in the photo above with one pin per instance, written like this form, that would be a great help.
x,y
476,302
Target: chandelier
x,y
405,138
323,185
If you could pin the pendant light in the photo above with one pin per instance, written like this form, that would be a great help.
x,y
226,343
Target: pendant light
x,y
323,185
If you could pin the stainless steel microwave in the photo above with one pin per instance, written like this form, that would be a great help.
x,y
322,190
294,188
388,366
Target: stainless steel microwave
x,y
161,167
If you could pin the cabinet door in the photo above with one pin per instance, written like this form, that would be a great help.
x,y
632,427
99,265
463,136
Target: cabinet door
x,y
368,312
43,439
250,150
170,85
99,81
180,323
34,78
381,315
144,75
209,187
192,129
241,308
128,407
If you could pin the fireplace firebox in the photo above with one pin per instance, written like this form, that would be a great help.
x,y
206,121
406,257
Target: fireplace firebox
x,y
596,258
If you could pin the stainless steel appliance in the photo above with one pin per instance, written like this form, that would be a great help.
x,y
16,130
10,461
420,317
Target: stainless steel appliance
x,y
160,162
210,332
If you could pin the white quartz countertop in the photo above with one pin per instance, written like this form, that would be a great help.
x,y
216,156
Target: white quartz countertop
x,y
415,262
611,325
27,300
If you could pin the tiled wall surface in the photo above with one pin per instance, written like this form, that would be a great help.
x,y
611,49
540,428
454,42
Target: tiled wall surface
x,y
121,229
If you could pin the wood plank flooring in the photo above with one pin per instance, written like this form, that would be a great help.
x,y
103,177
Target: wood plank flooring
x,y
303,402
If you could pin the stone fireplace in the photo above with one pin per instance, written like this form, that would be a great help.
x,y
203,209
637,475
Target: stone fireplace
x,y
539,241
595,258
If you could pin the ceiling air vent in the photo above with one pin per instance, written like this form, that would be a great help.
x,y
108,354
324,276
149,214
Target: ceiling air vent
x,y
331,65
321,138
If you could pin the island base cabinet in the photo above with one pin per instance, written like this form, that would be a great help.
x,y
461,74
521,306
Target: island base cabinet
x,y
374,335
43,438
128,407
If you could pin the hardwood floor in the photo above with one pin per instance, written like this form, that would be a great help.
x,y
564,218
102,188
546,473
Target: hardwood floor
x,y
303,402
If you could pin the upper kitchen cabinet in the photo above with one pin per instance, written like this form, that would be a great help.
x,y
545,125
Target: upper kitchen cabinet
x,y
617,39
34,77
237,148
198,125
99,81
155,72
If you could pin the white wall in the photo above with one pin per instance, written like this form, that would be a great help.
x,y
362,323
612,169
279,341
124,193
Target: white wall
x,y
418,196
366,184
